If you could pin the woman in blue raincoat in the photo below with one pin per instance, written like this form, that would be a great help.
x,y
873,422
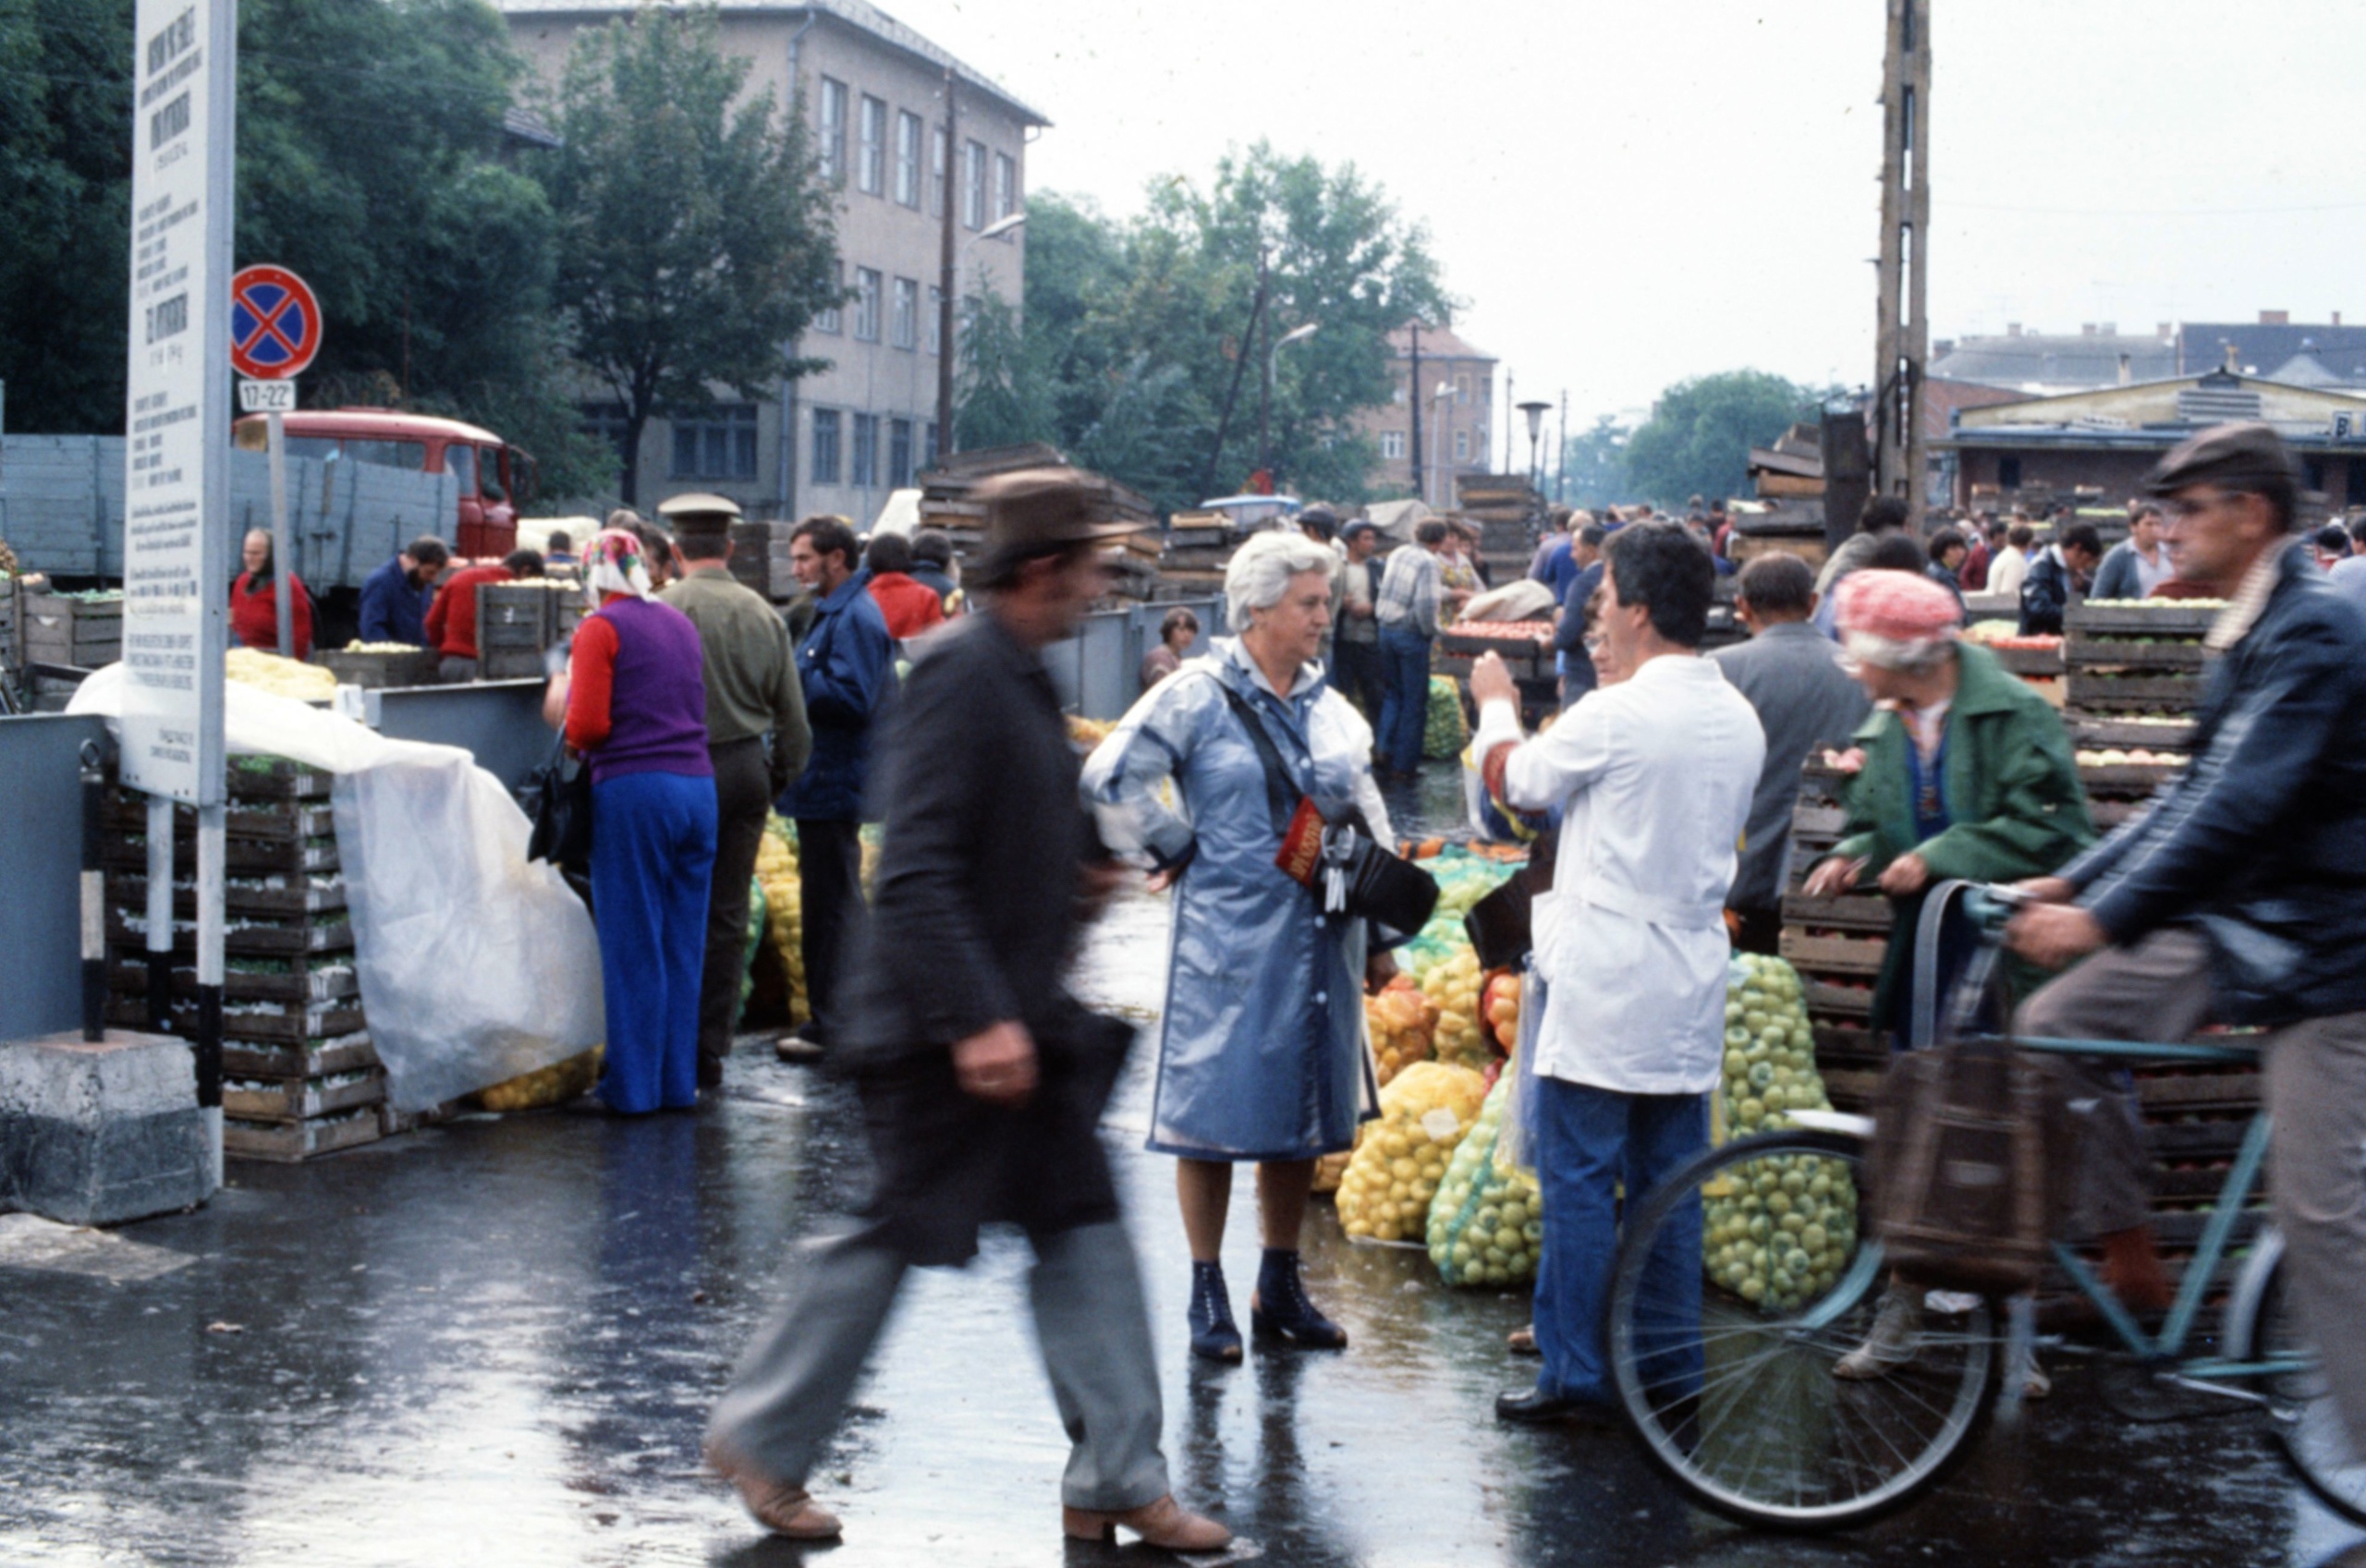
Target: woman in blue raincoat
x,y
1262,1054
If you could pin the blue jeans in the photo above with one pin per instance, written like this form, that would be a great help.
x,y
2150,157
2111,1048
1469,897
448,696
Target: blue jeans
x,y
1590,1141
653,855
1404,697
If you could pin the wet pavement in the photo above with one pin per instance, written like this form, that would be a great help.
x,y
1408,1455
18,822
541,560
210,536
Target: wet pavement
x,y
494,1341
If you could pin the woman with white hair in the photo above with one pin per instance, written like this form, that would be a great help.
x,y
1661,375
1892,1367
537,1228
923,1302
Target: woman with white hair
x,y
1262,1057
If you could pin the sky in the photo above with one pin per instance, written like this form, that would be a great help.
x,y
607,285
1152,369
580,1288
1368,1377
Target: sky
x,y
1625,195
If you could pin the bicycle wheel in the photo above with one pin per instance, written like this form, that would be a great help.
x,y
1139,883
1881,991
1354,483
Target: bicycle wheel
x,y
2307,1429
1738,1283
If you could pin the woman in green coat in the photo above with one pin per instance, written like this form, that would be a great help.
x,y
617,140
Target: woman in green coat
x,y
1968,772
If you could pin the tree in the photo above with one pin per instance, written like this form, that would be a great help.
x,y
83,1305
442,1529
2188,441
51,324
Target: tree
x,y
1698,440
696,240
1134,331
1595,459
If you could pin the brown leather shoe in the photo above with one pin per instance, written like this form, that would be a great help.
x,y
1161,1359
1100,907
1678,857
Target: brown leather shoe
x,y
784,1510
1162,1524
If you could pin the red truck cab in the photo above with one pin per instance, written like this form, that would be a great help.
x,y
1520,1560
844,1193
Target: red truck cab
x,y
494,477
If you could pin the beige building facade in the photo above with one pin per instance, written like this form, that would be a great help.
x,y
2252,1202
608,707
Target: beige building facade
x,y
873,92
1457,411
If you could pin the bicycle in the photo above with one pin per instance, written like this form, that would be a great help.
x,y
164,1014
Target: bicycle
x,y
1734,1398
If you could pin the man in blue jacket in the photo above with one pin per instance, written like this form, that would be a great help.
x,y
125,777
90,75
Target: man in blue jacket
x,y
845,663
2239,897
395,598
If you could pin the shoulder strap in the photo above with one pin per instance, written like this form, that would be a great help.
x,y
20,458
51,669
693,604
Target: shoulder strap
x,y
1281,795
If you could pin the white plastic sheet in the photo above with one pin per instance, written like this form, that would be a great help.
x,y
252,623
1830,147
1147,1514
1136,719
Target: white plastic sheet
x,y
476,964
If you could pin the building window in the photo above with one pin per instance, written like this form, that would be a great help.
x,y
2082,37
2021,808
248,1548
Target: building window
x,y
935,319
1462,389
974,183
605,422
715,443
1400,395
1462,446
1006,184
870,167
937,158
904,322
863,471
929,453
2008,473
825,446
834,131
1392,445
833,320
908,159
899,453
866,305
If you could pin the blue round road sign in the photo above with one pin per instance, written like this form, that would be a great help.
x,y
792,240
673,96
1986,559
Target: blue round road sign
x,y
274,324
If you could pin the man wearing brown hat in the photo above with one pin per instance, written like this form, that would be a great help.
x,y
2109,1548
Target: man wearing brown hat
x,y
982,1079
752,691
2239,897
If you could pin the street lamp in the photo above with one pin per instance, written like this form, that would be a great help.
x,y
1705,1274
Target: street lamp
x,y
1535,412
1438,400
1266,394
999,227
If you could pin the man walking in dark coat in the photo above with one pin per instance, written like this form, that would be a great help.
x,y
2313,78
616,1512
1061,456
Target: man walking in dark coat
x,y
982,1079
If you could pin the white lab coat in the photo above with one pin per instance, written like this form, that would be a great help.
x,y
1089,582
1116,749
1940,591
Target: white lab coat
x,y
1656,777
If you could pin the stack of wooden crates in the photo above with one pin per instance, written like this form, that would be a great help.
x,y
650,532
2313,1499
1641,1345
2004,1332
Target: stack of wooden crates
x,y
517,621
300,1077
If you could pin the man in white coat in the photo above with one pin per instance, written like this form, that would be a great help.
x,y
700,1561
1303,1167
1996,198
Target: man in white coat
x,y
1654,778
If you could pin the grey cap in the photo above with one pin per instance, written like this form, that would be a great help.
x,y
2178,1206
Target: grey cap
x,y
2245,456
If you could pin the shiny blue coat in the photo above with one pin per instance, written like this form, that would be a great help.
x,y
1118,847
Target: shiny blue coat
x,y
1262,1054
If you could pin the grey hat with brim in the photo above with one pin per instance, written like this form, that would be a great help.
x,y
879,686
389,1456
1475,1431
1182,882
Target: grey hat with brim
x,y
2234,457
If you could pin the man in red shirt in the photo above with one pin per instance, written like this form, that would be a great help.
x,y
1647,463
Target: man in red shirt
x,y
909,606
254,600
452,619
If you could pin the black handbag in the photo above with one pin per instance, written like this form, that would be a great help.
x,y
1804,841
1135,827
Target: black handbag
x,y
559,795
1353,875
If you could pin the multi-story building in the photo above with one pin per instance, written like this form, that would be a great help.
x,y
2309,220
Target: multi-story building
x,y
1458,407
873,92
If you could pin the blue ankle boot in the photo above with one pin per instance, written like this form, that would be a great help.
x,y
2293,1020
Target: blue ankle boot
x,y
1280,1309
1212,1334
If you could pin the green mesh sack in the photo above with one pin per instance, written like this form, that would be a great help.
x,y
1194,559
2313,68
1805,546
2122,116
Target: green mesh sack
x,y
1486,1222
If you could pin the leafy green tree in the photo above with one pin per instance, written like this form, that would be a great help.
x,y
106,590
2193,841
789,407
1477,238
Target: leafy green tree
x,y
1595,461
1699,437
1134,331
696,239
369,161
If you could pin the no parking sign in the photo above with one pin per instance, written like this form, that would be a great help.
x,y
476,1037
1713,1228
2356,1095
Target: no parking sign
x,y
274,324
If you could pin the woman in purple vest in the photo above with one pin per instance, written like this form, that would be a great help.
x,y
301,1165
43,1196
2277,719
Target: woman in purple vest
x,y
636,711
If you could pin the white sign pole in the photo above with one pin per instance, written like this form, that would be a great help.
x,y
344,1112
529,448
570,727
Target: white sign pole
x,y
283,561
177,483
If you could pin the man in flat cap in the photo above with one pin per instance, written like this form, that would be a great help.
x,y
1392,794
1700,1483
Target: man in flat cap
x,y
982,1079
752,693
2240,896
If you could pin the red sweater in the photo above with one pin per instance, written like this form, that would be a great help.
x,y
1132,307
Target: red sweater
x,y
909,607
254,614
452,619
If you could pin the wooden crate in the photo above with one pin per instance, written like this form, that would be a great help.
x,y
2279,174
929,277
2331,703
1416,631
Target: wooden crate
x,y
2089,731
1854,912
333,980
2028,662
379,671
2164,618
79,633
2123,778
291,1142
242,898
313,1059
513,616
295,1030
1834,954
302,1099
296,939
2121,653
2092,692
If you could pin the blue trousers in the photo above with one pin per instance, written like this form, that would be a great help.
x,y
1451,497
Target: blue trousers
x,y
1590,1143
652,854
1404,697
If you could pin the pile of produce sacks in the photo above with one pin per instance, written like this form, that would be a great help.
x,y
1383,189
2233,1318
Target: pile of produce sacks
x,y
1402,1022
1486,1224
1445,732
785,910
1400,1161
1778,1231
1453,987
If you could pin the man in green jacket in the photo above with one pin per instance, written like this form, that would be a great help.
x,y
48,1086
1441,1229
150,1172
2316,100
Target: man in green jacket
x,y
1968,774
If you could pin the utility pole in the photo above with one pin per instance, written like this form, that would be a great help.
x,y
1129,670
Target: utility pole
x,y
1902,342
1414,399
1561,464
945,268
1239,364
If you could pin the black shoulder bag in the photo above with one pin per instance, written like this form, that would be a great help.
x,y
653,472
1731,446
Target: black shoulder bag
x,y
1352,876
559,795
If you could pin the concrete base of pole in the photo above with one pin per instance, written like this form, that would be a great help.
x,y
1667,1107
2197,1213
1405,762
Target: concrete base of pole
x,y
96,1133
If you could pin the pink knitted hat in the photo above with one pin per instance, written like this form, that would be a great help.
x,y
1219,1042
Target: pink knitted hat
x,y
1897,620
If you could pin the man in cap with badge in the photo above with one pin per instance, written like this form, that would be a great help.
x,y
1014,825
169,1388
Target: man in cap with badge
x,y
983,1079
752,691
2238,897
